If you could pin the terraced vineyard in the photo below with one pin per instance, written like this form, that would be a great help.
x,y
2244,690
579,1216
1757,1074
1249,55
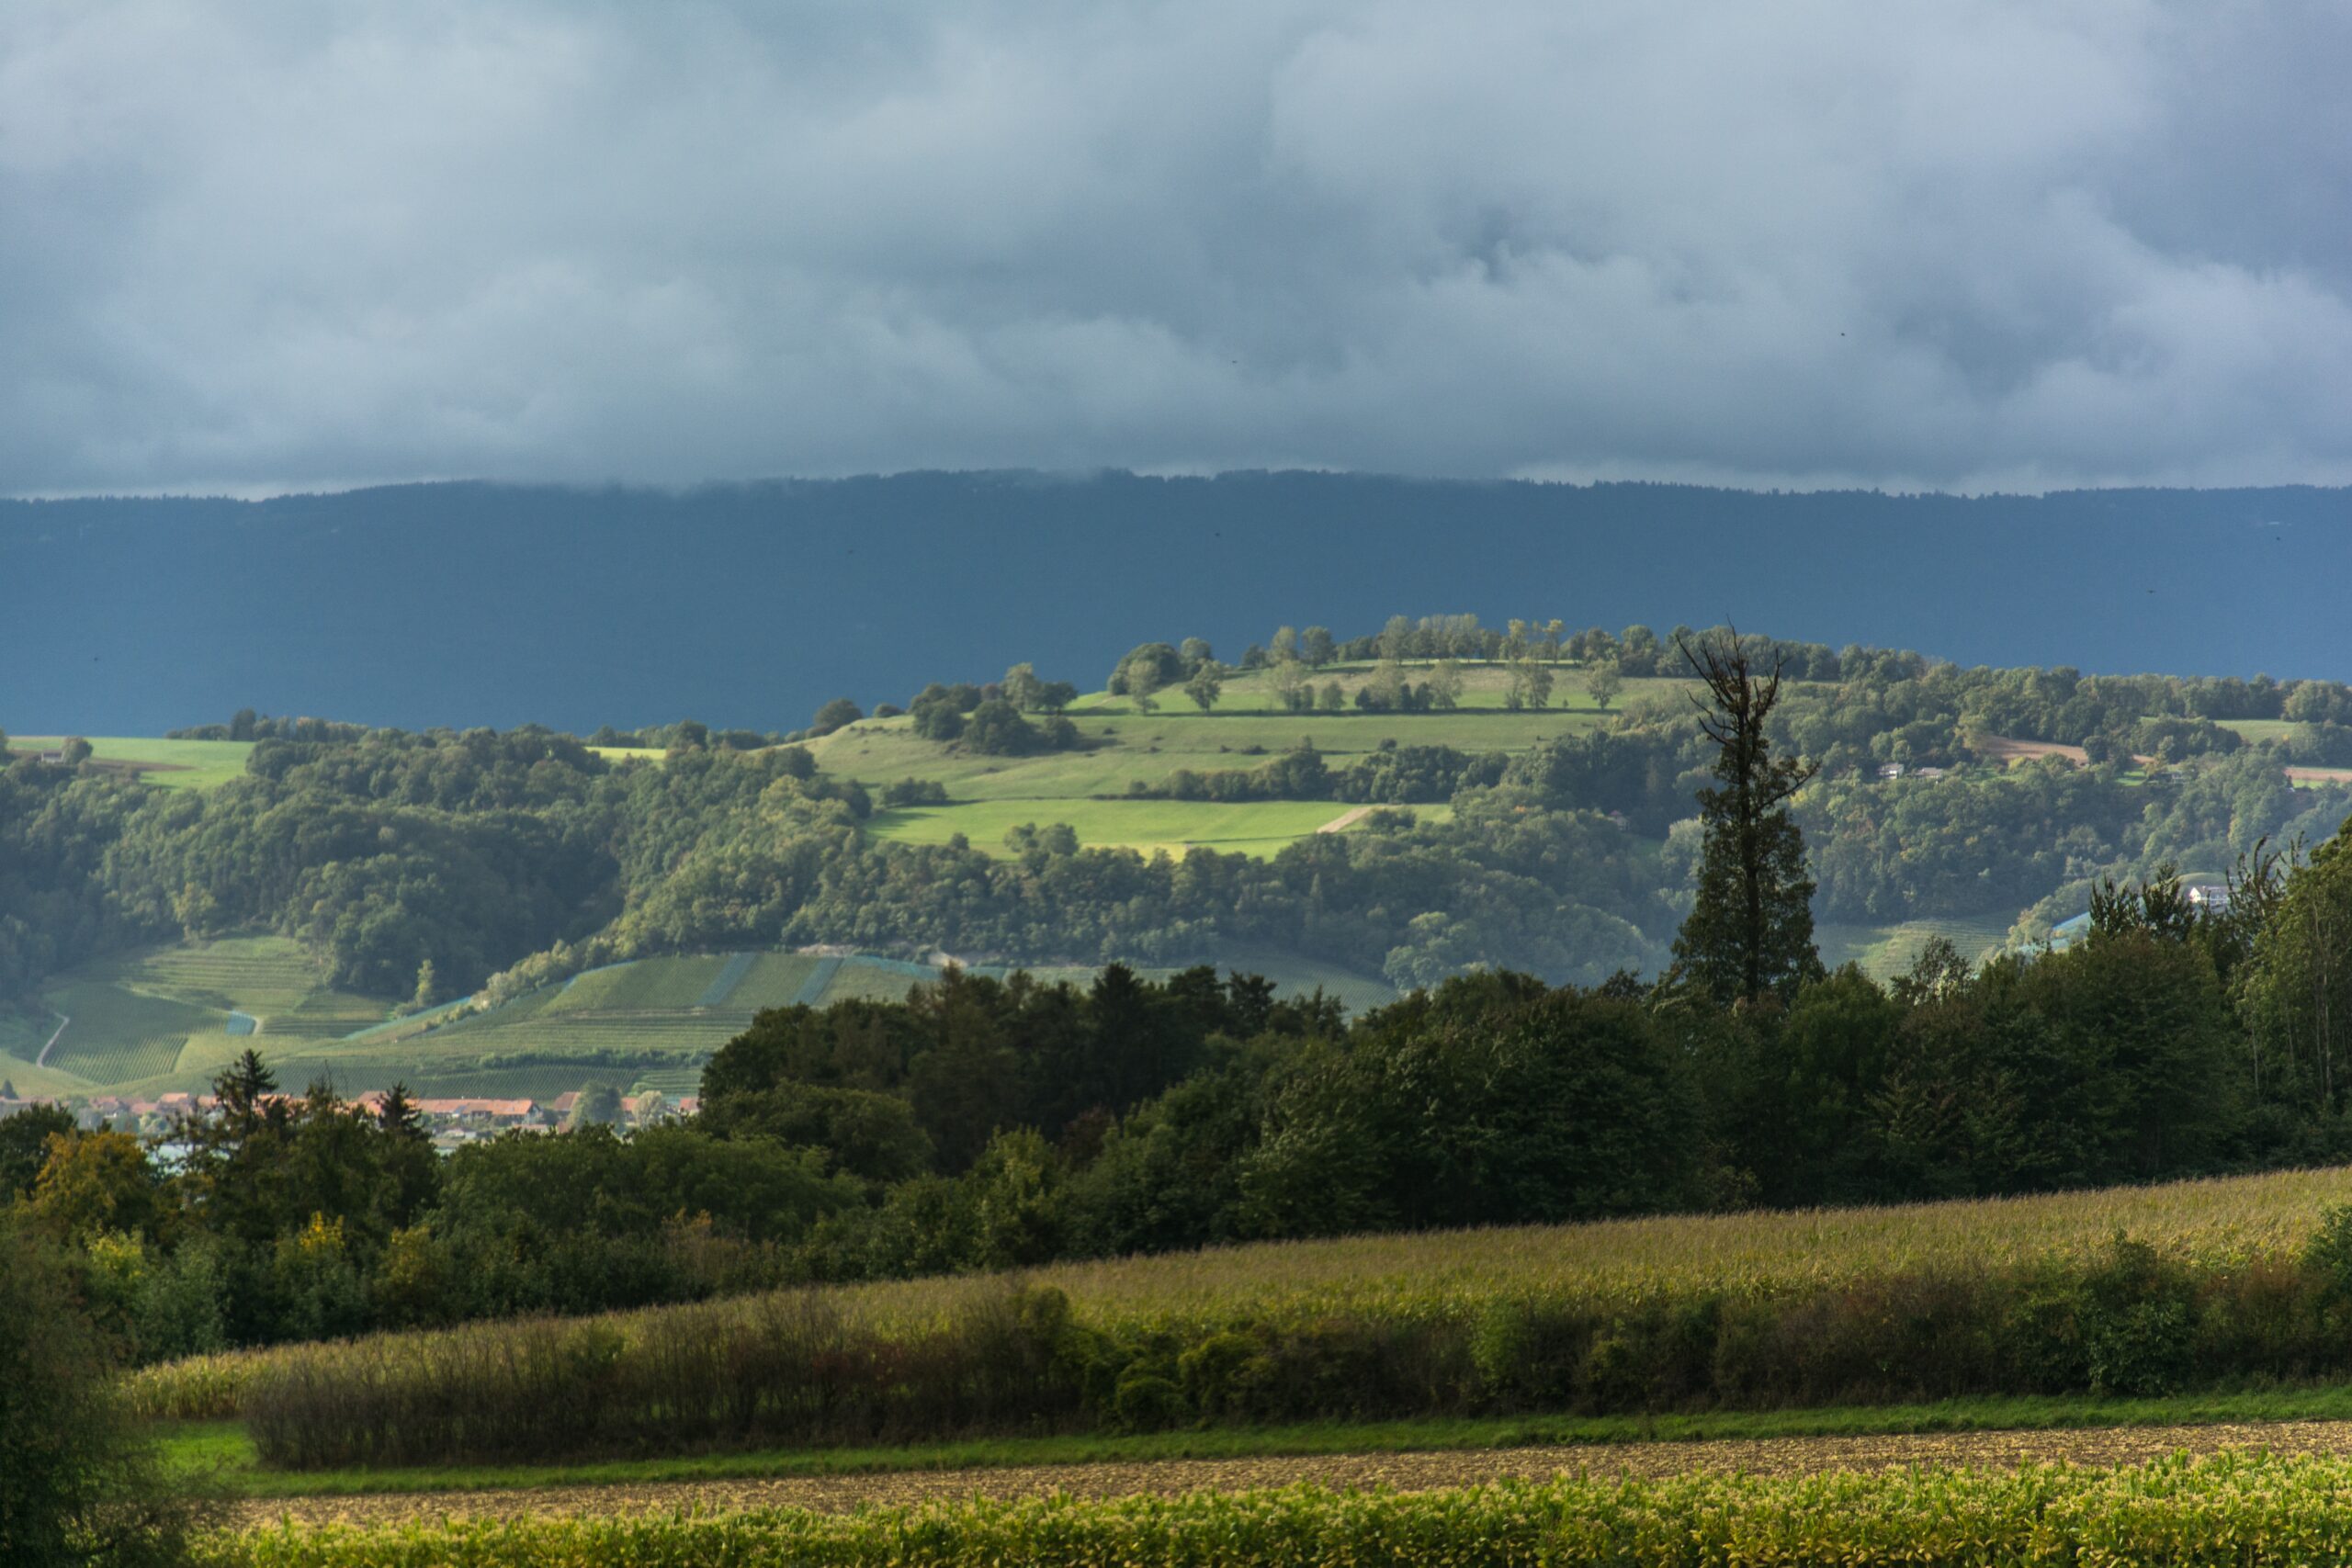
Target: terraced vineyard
x,y
1884,951
117,1035
170,1018
779,980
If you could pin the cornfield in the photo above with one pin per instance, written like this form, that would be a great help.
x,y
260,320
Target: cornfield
x,y
1457,1276
2228,1510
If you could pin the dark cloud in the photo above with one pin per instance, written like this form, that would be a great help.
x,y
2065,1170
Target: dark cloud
x,y
1967,245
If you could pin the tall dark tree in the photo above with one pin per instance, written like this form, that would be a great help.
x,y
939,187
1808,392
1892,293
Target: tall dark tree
x,y
1750,930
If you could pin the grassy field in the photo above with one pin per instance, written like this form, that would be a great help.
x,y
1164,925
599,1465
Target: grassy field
x,y
1087,787
1258,828
1123,747
1483,688
17,1069
173,765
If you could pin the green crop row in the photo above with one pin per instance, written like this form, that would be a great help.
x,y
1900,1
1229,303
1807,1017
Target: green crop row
x,y
2183,1513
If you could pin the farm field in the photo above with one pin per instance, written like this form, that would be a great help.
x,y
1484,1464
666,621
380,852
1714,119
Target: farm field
x,y
1459,1276
117,1034
1126,746
169,1017
1886,951
1258,828
2228,1507
2080,1428
172,764
1450,1271
1088,788
19,1071
1483,688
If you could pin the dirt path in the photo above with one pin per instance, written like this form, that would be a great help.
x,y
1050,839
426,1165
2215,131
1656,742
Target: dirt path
x,y
1347,820
1403,1472
63,1023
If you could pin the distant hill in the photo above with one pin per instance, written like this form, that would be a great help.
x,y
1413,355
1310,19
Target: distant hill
x,y
747,606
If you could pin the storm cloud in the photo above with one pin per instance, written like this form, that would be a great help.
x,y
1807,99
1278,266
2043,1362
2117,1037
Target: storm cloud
x,y
1966,245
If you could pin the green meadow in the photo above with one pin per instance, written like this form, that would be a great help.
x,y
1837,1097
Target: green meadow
x,y
1258,827
172,764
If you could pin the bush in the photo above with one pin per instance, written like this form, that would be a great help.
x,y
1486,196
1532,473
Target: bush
x,y
78,1483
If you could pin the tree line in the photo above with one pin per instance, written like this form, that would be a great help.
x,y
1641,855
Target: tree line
x,y
987,1123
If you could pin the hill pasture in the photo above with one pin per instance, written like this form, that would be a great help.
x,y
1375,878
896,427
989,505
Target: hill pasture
x,y
171,764
161,1020
1256,828
1122,747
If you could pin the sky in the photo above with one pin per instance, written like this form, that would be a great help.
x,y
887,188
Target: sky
x,y
255,247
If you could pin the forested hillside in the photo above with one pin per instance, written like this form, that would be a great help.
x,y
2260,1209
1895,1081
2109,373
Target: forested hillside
x,y
1400,805
747,605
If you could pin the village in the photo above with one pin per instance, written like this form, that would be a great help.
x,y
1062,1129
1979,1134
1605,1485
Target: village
x,y
450,1124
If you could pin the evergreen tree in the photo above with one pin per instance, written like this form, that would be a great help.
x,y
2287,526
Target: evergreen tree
x,y
1750,930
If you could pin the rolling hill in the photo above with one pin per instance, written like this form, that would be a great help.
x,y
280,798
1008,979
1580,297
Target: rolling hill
x,y
160,1020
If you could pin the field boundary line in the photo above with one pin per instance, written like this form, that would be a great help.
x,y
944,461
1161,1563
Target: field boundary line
x,y
730,976
812,990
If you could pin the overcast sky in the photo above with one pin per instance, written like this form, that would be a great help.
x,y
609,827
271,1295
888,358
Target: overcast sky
x,y
1962,244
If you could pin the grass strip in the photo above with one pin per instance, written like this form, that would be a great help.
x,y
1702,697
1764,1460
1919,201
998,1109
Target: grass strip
x,y
222,1449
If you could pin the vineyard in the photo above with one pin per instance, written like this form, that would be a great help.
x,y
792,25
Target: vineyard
x,y
163,1019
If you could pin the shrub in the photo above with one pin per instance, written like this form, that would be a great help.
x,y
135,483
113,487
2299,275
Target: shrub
x,y
78,1483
